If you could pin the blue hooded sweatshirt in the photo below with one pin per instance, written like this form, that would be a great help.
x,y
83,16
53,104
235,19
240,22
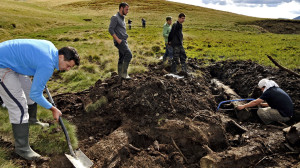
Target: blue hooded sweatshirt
x,y
37,58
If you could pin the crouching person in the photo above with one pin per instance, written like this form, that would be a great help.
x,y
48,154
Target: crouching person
x,y
278,106
20,59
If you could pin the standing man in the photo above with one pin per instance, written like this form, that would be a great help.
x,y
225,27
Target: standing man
x,y
117,29
129,24
175,40
279,106
143,23
20,59
166,32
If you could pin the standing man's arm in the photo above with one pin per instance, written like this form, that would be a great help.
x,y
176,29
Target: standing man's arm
x,y
117,39
172,33
111,29
165,32
40,79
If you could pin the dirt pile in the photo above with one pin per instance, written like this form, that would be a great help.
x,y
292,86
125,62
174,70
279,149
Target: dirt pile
x,y
156,120
161,121
279,26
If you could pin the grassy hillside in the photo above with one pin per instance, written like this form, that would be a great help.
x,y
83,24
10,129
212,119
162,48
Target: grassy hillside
x,y
208,34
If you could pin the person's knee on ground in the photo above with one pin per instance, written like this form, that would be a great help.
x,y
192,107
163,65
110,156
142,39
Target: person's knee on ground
x,y
263,116
269,115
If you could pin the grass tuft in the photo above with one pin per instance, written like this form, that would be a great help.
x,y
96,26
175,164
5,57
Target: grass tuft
x,y
94,106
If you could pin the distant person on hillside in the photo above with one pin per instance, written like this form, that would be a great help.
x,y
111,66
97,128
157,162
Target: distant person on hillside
x,y
143,22
1,102
20,59
278,106
129,24
117,29
166,31
175,39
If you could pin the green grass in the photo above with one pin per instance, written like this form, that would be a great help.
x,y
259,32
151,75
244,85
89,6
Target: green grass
x,y
4,162
94,106
208,35
45,141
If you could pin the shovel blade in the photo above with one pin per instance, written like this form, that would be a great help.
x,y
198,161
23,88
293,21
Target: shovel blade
x,y
81,160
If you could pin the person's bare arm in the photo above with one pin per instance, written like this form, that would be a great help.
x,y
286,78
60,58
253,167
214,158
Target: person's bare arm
x,y
264,104
56,113
250,104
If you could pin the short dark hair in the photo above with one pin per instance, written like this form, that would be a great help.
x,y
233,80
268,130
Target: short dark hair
x,y
69,53
123,4
168,18
181,15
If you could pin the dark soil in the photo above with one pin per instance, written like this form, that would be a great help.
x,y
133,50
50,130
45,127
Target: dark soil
x,y
155,120
279,26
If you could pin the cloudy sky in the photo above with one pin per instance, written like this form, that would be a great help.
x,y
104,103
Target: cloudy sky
x,y
288,9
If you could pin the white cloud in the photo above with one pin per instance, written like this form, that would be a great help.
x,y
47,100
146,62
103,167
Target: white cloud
x,y
257,8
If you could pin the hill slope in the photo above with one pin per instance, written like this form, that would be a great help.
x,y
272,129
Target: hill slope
x,y
208,34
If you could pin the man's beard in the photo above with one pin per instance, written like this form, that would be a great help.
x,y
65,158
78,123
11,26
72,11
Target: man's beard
x,y
123,12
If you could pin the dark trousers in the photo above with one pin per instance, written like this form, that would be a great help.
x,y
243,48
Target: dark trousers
x,y
124,52
169,52
179,55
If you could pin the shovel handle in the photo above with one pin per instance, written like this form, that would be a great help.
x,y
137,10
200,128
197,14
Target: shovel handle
x,y
61,124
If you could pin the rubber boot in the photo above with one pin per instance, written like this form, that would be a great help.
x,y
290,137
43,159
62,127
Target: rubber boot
x,y
125,69
164,58
120,69
174,67
22,148
32,110
184,67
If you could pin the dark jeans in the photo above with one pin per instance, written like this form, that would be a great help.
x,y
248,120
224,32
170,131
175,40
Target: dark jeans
x,y
124,52
169,52
179,54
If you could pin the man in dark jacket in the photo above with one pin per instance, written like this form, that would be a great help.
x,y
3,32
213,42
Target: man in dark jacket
x,y
175,40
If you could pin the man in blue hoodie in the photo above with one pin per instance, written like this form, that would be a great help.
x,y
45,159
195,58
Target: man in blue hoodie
x,y
20,59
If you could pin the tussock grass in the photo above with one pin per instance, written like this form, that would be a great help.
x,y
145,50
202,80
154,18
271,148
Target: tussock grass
x,y
4,162
94,106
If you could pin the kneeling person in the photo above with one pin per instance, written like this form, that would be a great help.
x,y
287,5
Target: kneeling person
x,y
279,106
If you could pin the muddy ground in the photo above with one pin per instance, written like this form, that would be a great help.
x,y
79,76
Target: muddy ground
x,y
155,120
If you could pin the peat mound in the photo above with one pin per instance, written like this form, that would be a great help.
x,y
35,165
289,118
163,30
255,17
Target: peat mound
x,y
279,26
156,120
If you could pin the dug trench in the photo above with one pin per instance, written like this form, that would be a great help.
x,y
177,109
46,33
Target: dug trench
x,y
157,120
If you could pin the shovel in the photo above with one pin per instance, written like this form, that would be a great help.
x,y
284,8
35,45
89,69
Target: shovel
x,y
77,158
